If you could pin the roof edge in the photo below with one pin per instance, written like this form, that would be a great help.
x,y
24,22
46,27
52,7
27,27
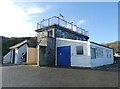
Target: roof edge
x,y
18,44
101,45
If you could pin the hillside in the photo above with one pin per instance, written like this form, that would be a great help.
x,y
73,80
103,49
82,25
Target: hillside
x,y
115,45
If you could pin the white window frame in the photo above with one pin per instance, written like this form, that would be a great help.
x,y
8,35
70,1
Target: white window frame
x,y
82,50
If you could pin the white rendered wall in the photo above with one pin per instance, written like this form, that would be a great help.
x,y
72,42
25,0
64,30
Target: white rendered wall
x,y
18,54
76,60
99,61
38,55
84,60
7,58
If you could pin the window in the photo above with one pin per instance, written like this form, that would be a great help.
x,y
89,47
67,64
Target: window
x,y
79,50
59,33
84,39
58,30
93,53
108,53
50,33
99,52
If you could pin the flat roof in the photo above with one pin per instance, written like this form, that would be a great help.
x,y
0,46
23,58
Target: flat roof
x,y
71,40
100,45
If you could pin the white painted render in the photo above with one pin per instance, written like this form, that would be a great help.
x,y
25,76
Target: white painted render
x,y
76,60
16,56
18,53
7,58
84,60
99,61
38,55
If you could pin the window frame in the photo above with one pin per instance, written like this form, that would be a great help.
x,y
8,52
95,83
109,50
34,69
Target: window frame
x,y
91,48
79,52
108,53
50,32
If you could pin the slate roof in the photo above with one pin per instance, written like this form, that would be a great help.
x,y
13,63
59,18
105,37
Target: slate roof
x,y
19,44
32,42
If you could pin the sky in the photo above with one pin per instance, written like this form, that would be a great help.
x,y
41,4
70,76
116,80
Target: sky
x,y
100,19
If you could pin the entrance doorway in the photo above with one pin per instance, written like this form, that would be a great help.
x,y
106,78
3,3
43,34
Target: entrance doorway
x,y
63,56
42,56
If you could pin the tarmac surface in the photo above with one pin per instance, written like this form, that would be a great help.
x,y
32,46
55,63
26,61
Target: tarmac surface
x,y
35,76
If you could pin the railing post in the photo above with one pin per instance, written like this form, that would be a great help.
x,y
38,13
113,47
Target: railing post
x,y
48,22
72,27
58,21
37,25
87,33
66,24
81,31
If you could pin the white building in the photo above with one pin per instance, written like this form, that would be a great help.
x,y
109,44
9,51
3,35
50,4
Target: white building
x,y
82,53
26,48
61,43
15,54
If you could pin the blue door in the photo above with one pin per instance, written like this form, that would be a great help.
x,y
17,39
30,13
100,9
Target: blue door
x,y
63,56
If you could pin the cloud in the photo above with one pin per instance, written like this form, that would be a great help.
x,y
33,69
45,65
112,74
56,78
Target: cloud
x,y
13,19
81,22
36,10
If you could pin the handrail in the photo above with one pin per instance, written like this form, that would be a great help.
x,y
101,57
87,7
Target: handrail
x,y
48,22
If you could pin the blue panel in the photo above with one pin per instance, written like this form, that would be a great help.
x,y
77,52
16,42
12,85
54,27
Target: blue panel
x,y
58,30
63,56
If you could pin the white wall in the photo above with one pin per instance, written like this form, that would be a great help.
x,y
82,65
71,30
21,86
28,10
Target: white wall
x,y
84,60
99,61
18,54
38,55
76,60
1,58
7,58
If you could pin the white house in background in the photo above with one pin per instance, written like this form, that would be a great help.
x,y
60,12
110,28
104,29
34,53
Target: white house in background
x,y
14,56
78,53
7,58
27,47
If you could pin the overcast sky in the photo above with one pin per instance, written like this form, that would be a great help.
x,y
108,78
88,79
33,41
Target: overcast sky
x,y
19,19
